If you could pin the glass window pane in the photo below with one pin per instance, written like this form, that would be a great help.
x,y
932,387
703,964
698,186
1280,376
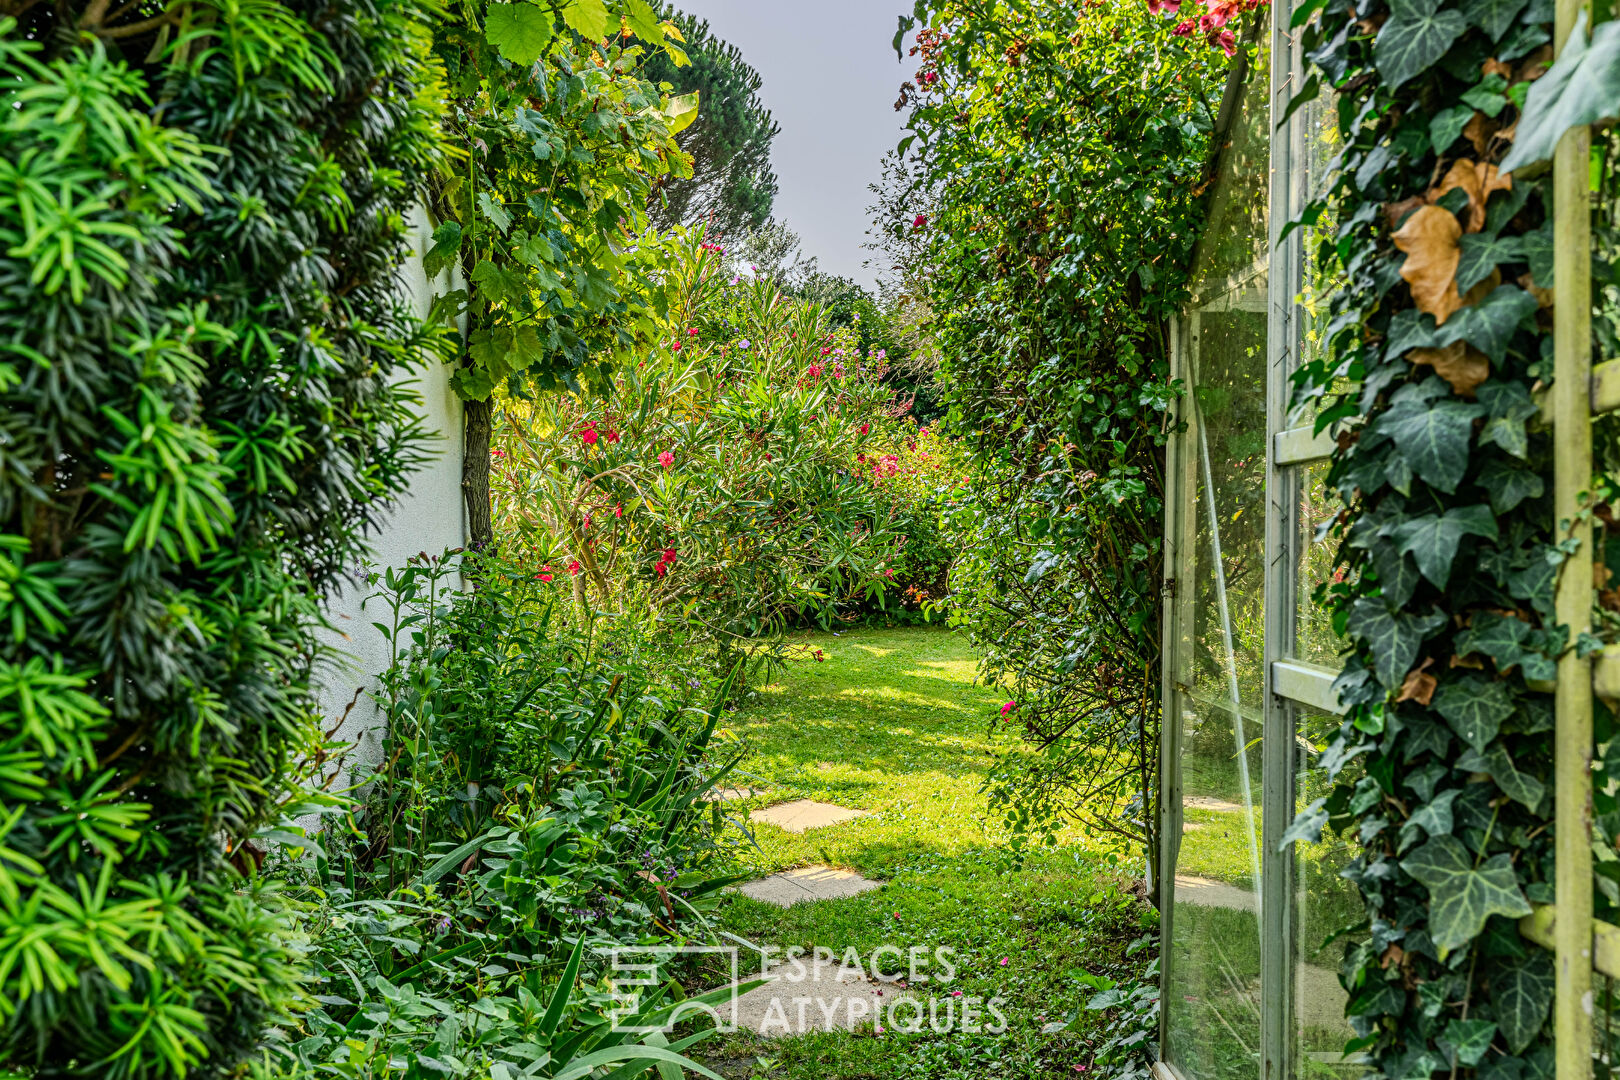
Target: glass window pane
x,y
1315,640
1324,905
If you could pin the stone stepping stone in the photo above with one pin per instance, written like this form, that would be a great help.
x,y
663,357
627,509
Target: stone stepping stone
x,y
808,883
802,815
811,996
1209,893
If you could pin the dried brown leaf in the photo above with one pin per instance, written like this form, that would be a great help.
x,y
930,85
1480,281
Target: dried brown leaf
x,y
1478,131
1430,240
1493,66
1459,363
1544,297
1478,179
1395,211
1419,685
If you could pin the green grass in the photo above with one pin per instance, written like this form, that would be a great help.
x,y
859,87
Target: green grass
x,y
891,722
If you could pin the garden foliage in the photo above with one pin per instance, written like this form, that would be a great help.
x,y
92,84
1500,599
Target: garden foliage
x,y
1054,169
1438,339
537,800
560,140
201,348
752,473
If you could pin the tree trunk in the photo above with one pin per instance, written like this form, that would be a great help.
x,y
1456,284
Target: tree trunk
x,y
475,474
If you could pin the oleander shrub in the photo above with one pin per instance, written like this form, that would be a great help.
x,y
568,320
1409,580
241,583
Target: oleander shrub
x,y
202,209
742,479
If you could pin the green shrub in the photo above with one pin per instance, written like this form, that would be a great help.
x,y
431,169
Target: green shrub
x,y
200,333
539,798
753,473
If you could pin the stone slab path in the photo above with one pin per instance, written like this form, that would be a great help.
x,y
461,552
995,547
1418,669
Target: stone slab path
x,y
808,883
727,794
802,815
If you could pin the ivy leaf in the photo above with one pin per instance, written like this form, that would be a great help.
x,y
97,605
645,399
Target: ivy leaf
x,y
1489,325
1509,484
1538,252
1500,637
1417,34
1423,735
1482,253
1307,825
1582,87
1397,574
1475,709
1433,538
1494,17
1448,125
1434,817
1432,437
1470,1039
1522,992
588,17
519,32
1393,638
1461,898
1521,787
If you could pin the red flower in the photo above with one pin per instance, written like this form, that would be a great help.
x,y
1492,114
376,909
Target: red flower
x,y
669,555
618,511
613,436
666,459
691,331
1184,28
573,567
659,568
497,453
919,221
544,574
588,436
865,428
676,346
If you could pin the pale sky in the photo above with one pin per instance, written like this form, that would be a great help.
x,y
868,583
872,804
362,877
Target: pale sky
x,y
831,80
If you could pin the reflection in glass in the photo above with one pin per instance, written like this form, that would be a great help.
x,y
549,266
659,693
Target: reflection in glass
x,y
1316,642
1324,905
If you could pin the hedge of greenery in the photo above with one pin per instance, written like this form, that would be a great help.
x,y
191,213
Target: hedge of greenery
x,y
1056,165
1438,234
200,334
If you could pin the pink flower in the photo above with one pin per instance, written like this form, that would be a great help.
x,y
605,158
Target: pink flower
x,y
613,436
1009,707
923,431
1160,6
676,346
1184,28
1002,961
691,331
956,993
588,436
545,574
1225,40
666,459
618,511
865,428
497,453
919,221
573,567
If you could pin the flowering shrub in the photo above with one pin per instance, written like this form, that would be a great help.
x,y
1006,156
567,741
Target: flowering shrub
x,y
751,472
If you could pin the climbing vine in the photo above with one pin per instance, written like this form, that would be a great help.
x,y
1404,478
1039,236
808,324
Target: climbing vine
x,y
1437,232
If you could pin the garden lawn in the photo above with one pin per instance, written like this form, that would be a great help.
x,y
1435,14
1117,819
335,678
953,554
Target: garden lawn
x,y
891,722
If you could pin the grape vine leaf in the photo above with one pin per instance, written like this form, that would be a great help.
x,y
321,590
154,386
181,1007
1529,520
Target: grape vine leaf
x,y
519,32
1470,1039
1582,87
1394,638
1433,538
1475,709
1461,898
1494,17
1489,325
1417,34
588,17
644,21
1432,438
1522,991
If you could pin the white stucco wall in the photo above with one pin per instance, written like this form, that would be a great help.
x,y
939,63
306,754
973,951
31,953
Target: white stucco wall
x,y
430,517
